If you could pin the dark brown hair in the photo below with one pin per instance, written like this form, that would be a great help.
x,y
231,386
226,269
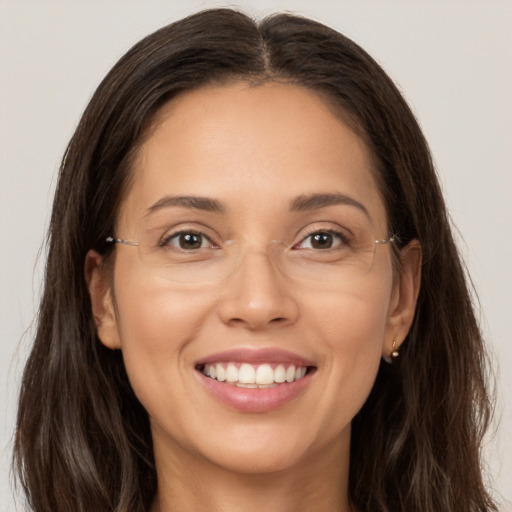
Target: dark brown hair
x,y
83,441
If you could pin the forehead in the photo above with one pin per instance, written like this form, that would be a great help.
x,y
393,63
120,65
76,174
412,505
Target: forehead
x,y
248,145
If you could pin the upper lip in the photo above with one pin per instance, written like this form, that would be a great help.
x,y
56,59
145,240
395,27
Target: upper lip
x,y
256,356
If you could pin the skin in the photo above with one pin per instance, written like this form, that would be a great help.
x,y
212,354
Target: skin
x,y
254,149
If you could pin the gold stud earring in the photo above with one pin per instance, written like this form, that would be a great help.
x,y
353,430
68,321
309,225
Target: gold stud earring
x,y
394,353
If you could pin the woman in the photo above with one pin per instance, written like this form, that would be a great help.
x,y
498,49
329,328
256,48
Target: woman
x,y
253,298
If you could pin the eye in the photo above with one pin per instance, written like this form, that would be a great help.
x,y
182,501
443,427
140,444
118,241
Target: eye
x,y
189,241
323,239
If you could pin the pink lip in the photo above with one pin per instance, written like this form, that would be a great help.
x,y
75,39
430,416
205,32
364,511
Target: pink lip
x,y
255,400
258,356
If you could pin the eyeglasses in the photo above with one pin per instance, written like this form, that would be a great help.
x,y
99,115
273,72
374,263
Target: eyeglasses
x,y
319,257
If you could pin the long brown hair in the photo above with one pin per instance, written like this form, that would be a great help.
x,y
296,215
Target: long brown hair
x,y
83,441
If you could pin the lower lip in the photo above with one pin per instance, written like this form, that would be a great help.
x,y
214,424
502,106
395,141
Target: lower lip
x,y
255,400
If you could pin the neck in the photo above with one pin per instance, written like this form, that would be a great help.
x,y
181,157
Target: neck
x,y
188,483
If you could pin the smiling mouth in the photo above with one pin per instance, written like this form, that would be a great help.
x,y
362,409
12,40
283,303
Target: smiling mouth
x,y
254,376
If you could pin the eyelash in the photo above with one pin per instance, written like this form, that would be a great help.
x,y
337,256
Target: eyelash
x,y
165,242
344,240
167,239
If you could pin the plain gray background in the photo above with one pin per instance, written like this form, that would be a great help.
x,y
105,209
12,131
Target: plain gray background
x,y
451,58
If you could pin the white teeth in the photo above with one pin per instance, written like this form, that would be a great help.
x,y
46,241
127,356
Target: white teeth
x,y
246,385
254,376
247,374
264,374
231,373
280,374
219,370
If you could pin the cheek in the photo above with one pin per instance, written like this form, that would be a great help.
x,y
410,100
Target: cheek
x,y
352,329
152,319
156,324
151,311
353,321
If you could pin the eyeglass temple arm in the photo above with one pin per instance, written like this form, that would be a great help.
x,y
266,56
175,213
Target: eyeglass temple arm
x,y
391,240
112,240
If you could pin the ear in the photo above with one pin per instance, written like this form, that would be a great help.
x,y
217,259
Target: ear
x,y
103,309
404,297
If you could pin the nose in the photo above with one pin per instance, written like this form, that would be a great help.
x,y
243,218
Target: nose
x,y
257,296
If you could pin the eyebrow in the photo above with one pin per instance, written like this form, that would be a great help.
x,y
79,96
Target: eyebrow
x,y
193,202
300,203
317,201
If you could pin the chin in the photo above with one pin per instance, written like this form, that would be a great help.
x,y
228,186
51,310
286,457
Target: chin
x,y
271,448
258,460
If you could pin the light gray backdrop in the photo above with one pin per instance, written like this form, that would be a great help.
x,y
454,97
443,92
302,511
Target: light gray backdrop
x,y
451,58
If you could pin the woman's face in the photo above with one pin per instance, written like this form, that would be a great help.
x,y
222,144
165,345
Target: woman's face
x,y
250,205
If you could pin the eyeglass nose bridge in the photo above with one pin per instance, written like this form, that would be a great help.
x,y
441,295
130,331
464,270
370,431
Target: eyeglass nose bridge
x,y
253,256
243,250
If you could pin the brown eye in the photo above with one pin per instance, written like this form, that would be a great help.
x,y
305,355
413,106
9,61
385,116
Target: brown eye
x,y
321,240
188,241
